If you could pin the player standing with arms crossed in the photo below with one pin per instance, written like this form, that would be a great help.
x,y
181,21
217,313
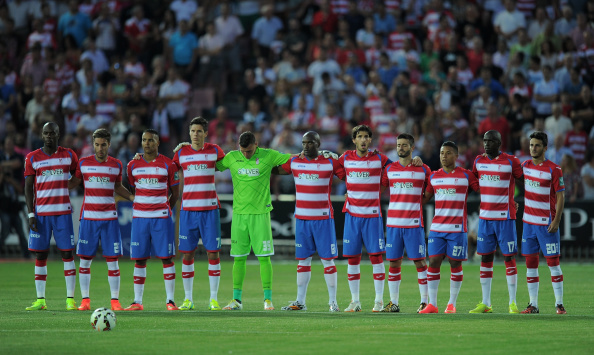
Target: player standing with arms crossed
x,y
314,228
449,233
544,200
101,176
363,220
497,217
199,215
47,171
250,168
405,228
152,176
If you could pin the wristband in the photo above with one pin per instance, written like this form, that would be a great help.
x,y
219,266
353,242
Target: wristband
x,y
31,215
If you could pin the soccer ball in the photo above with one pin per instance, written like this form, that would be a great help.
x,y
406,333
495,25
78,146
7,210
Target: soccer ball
x,y
103,319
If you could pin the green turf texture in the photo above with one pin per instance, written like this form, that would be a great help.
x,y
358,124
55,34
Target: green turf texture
x,y
316,331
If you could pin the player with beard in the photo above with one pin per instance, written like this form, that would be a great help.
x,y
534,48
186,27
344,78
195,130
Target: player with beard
x,y
405,228
101,176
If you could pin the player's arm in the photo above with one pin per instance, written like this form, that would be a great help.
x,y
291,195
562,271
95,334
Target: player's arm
x,y
554,226
278,170
73,182
123,191
29,181
428,195
174,195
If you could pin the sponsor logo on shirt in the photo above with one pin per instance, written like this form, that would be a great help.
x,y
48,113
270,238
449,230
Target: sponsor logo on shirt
x,y
249,172
99,179
53,172
192,167
304,176
451,191
490,177
148,181
403,185
532,183
561,183
359,174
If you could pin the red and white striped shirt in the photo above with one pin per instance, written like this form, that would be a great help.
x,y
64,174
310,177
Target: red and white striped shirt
x,y
313,184
576,141
396,40
392,5
99,180
152,181
105,108
496,179
198,166
542,182
339,7
451,191
406,184
51,173
363,177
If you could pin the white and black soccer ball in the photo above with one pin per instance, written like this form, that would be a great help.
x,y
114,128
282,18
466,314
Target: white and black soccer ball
x,y
103,319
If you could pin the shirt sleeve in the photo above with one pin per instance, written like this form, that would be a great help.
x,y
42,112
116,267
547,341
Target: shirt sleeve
x,y
224,163
429,189
78,173
517,170
338,169
74,162
427,174
220,152
384,180
287,166
474,169
473,182
29,166
279,158
173,175
558,183
130,177
119,177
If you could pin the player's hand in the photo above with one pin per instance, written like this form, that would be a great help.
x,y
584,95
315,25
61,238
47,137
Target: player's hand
x,y
517,205
553,227
131,198
417,161
328,154
33,224
180,146
301,155
137,156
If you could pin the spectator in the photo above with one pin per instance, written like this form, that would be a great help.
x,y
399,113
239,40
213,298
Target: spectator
x,y
557,124
366,36
230,29
97,57
584,107
327,91
74,104
583,29
587,174
325,18
183,9
128,151
256,116
210,50
34,106
558,150
183,48
74,23
39,35
574,189
509,21
264,31
539,23
577,141
106,28
91,121
35,66
137,30
251,89
479,107
221,118
174,93
546,93
323,65
565,24
495,121
383,22
486,79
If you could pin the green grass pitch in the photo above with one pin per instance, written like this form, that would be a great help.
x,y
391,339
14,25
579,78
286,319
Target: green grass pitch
x,y
316,331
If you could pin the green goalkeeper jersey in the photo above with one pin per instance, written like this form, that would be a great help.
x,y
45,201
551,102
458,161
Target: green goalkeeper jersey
x,y
251,179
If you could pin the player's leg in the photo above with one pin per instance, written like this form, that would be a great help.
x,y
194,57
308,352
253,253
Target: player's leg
x,y
437,251
508,241
240,249
456,253
531,250
414,241
486,246
111,243
210,231
163,245
373,238
189,235
140,251
86,249
352,248
64,236
39,243
550,245
325,242
394,254
261,240
305,247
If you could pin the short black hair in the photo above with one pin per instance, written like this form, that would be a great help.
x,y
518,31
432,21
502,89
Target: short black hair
x,y
102,133
361,128
246,139
201,121
151,131
410,138
541,136
451,145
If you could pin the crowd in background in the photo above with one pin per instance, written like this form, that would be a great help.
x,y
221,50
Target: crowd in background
x,y
439,70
